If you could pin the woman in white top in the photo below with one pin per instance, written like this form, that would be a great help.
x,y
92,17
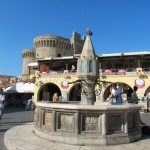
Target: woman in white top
x,y
2,98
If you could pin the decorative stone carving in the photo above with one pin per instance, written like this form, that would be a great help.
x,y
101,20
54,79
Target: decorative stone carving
x,y
47,118
90,122
86,91
88,125
67,122
114,123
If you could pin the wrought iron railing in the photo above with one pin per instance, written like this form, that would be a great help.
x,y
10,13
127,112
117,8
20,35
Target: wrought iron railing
x,y
58,73
128,71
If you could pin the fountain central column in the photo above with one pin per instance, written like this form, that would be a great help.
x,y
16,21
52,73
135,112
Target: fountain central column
x,y
88,71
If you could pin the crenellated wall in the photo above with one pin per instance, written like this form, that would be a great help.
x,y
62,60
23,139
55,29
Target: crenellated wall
x,y
52,46
28,56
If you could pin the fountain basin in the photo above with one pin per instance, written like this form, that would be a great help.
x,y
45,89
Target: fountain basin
x,y
87,124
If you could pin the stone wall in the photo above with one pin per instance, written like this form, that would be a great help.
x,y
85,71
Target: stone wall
x,y
88,125
28,56
52,46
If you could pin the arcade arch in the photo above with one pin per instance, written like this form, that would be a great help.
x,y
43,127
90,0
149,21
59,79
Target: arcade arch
x,y
147,90
75,92
123,86
46,92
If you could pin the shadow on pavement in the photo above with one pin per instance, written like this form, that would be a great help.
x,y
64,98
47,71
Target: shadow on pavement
x,y
14,109
145,130
14,123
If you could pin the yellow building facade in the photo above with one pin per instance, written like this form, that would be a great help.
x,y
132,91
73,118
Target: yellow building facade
x,y
54,71
51,83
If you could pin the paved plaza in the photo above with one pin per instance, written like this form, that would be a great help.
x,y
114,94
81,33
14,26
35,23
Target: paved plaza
x,y
13,117
21,124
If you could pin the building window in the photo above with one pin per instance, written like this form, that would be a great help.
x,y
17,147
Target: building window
x,y
90,66
59,55
82,66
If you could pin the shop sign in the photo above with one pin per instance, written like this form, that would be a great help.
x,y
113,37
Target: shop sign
x,y
53,80
64,84
140,83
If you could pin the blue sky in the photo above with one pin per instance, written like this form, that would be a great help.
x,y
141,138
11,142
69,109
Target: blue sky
x,y
117,25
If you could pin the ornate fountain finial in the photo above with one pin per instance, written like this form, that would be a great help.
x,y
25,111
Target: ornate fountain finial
x,y
89,32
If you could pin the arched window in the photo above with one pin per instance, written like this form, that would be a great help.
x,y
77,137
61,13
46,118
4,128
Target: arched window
x,y
82,66
41,43
53,43
90,66
44,43
50,43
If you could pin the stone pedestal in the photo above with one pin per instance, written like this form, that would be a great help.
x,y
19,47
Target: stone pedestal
x,y
88,124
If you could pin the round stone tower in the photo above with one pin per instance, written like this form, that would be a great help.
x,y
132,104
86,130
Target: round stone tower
x,y
52,46
28,56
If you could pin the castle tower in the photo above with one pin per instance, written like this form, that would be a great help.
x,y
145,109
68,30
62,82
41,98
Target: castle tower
x,y
88,71
77,42
28,56
52,46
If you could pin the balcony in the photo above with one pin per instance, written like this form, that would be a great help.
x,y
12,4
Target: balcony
x,y
58,73
117,71
128,71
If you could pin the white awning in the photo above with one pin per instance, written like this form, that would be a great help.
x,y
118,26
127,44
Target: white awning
x,y
125,54
34,64
21,87
10,89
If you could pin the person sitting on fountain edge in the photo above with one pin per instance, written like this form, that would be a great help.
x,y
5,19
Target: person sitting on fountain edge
x,y
115,96
55,97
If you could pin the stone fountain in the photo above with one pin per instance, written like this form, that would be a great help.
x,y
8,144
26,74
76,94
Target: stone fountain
x,y
86,123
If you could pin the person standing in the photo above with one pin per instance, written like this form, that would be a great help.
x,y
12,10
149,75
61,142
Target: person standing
x,y
147,102
134,97
2,98
73,68
129,92
116,94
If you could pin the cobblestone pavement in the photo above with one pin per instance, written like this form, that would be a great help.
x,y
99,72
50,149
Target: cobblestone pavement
x,y
18,116
13,117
